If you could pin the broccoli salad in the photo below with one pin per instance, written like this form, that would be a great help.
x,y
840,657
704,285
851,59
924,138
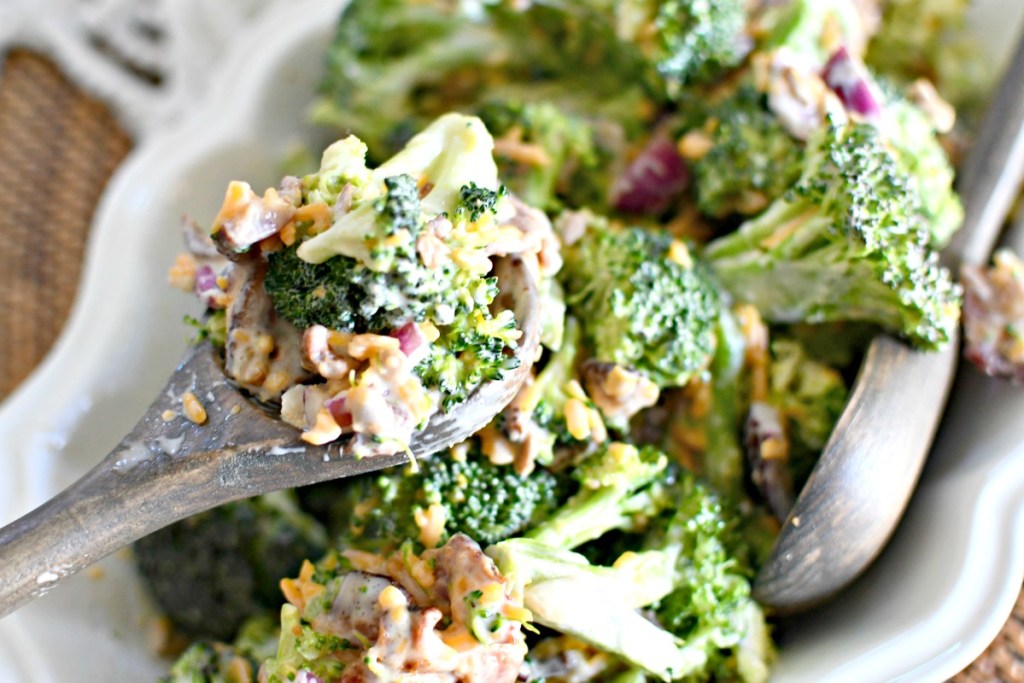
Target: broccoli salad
x,y
361,299
720,203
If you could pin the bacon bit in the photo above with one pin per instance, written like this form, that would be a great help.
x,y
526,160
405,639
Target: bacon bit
x,y
193,409
432,251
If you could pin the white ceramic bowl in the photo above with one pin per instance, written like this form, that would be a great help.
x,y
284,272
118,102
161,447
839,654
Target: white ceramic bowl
x,y
931,604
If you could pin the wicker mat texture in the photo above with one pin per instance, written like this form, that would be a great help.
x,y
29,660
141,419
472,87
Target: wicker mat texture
x,y
58,148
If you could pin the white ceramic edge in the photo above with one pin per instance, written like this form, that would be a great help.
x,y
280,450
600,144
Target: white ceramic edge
x,y
60,380
49,403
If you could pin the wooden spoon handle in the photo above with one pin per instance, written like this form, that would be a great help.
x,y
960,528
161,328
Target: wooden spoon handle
x,y
162,471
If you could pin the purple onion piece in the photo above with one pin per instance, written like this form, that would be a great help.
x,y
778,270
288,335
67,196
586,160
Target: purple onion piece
x,y
850,81
304,676
341,414
411,340
206,287
651,181
770,476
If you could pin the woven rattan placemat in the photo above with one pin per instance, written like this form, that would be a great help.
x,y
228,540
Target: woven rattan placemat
x,y
58,148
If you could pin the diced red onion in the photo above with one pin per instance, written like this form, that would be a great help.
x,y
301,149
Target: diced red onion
x,y
336,406
771,477
651,181
850,81
206,287
304,676
411,340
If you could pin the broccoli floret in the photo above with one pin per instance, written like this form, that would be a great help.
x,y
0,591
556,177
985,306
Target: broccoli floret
x,y
365,270
238,662
688,41
723,458
386,52
212,571
620,487
809,28
395,65
710,602
553,154
642,302
470,350
846,242
213,327
752,160
486,502
475,201
922,158
931,39
344,295
811,397
706,623
400,207
700,39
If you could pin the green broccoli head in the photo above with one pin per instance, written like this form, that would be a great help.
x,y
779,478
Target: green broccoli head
x,y
552,156
385,52
710,587
642,302
471,350
920,155
687,41
813,29
752,160
342,294
931,39
620,488
394,65
238,662
684,571
810,396
486,502
211,572
846,242
376,250
699,39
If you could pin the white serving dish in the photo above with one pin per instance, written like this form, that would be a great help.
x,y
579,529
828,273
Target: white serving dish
x,y
936,598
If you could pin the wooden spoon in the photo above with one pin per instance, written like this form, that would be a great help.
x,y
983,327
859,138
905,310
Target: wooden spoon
x,y
860,487
164,471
